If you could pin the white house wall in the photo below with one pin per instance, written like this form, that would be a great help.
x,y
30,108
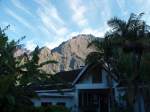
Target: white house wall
x,y
71,97
104,77
86,83
57,93
54,98
87,79
69,101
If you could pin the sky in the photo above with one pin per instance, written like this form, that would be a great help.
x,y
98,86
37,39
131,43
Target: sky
x,y
50,22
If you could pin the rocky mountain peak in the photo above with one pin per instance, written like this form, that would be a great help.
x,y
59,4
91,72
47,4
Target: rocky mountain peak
x,y
70,54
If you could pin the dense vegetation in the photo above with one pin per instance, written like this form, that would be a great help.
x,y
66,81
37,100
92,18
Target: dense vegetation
x,y
17,74
126,52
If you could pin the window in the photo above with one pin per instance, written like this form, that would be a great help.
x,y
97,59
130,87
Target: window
x,y
61,103
88,99
46,103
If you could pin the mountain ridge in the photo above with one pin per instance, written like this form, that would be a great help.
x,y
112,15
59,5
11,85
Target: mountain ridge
x,y
69,54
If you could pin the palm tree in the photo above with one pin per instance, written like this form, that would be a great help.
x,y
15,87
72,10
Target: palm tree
x,y
102,51
122,51
132,37
103,54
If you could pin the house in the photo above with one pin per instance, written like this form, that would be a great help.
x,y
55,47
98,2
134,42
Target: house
x,y
83,90
89,89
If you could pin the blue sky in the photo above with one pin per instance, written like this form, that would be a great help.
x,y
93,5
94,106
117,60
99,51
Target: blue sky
x,y
50,22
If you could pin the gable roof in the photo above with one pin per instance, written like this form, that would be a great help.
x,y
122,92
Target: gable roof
x,y
90,67
67,79
68,76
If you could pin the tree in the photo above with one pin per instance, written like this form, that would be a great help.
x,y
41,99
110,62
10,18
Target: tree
x,y
132,37
16,76
30,71
103,54
102,51
123,50
11,96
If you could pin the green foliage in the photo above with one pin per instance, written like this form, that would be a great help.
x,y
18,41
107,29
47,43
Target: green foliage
x,y
93,57
125,64
31,74
15,76
132,37
132,29
126,50
3,38
132,63
11,96
103,51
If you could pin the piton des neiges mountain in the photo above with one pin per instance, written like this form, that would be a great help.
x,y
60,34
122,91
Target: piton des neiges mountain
x,y
70,54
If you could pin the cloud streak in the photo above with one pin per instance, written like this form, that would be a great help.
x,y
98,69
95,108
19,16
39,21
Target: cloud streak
x,y
96,32
20,6
52,22
79,11
122,6
50,18
19,18
30,45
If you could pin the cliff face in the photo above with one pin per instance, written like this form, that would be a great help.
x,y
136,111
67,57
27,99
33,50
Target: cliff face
x,y
69,55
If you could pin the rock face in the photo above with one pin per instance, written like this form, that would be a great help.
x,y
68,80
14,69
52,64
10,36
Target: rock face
x,y
69,55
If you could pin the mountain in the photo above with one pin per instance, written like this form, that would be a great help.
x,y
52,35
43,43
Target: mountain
x,y
69,55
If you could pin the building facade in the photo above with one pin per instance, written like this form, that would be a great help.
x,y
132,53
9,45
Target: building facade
x,y
89,89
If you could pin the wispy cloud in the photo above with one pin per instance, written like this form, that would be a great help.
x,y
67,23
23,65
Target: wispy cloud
x,y
79,11
44,31
96,32
19,5
52,45
52,22
122,6
30,45
19,18
103,8
50,18
55,43
143,6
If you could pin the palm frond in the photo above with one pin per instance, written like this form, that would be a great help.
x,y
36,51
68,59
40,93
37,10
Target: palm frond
x,y
117,24
94,57
96,43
